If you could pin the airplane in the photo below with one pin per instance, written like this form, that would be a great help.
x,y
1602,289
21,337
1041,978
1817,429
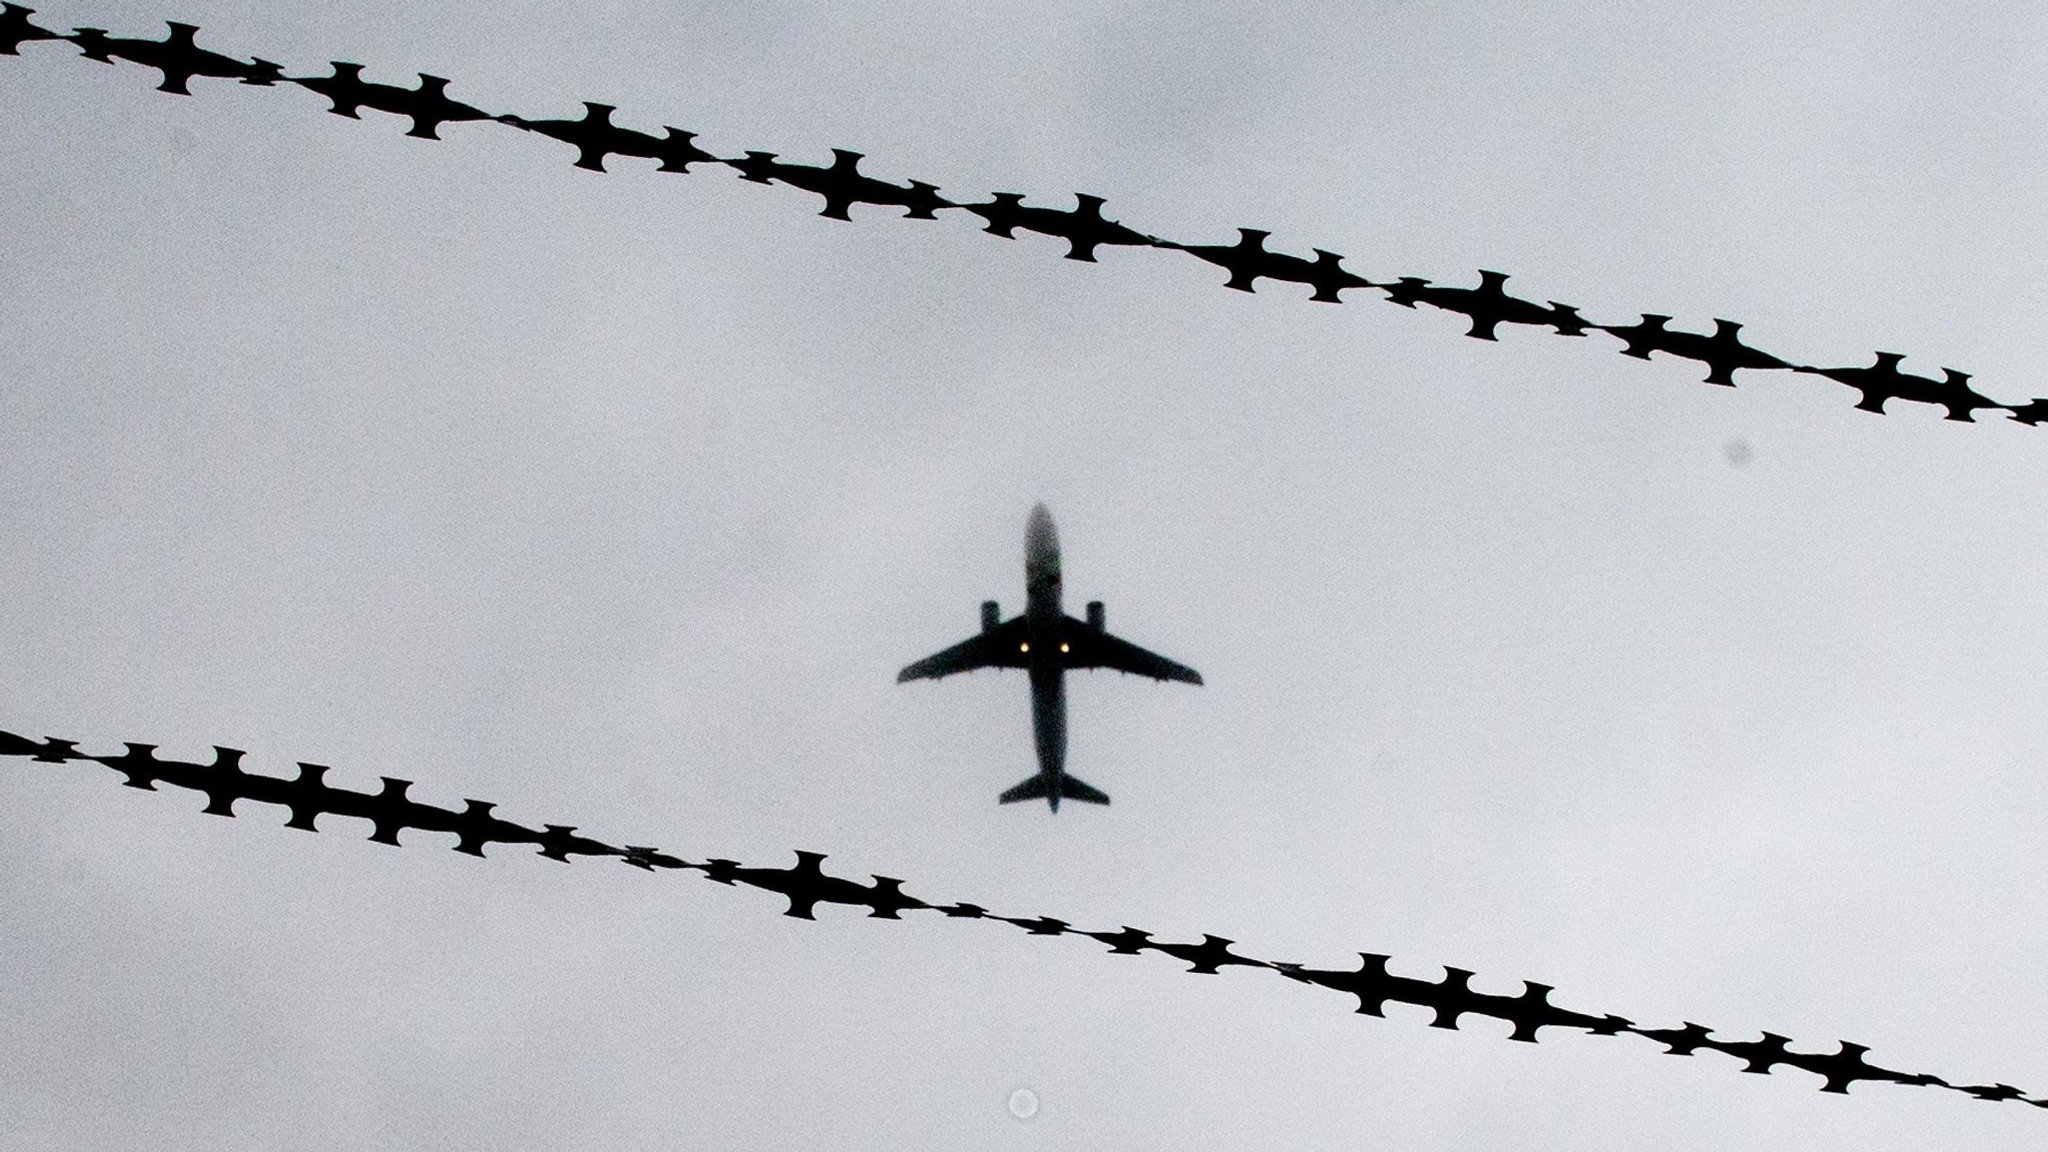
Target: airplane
x,y
1047,642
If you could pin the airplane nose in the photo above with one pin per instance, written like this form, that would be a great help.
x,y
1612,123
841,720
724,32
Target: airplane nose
x,y
1041,540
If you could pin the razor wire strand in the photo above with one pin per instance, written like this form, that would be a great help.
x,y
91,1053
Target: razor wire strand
x,y
842,184
806,885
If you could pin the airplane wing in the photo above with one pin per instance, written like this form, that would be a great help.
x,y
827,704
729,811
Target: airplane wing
x,y
1090,647
998,648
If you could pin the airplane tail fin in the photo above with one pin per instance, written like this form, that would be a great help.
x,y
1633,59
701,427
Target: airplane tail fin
x,y
1070,789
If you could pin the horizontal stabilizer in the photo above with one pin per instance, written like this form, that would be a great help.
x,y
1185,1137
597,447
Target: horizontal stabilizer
x,y
1031,789
1070,789
1073,789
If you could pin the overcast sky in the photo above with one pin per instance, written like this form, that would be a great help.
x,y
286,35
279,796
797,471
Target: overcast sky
x,y
619,499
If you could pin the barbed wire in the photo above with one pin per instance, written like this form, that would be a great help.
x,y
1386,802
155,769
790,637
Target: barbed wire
x,y
806,885
842,185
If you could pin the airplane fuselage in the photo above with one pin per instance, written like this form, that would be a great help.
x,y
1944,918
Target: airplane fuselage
x,y
1043,617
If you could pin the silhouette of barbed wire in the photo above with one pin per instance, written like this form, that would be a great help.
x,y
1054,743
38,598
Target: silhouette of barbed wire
x,y
1084,227
1248,259
177,56
805,885
1883,381
427,106
843,185
596,137
1722,353
1487,306
17,29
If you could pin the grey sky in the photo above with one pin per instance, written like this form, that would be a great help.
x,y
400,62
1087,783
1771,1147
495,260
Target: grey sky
x,y
619,500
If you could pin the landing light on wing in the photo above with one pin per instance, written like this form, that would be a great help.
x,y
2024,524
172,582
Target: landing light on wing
x,y
1024,647
1063,646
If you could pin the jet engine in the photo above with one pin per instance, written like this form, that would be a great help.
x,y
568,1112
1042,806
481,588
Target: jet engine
x,y
991,615
1095,615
